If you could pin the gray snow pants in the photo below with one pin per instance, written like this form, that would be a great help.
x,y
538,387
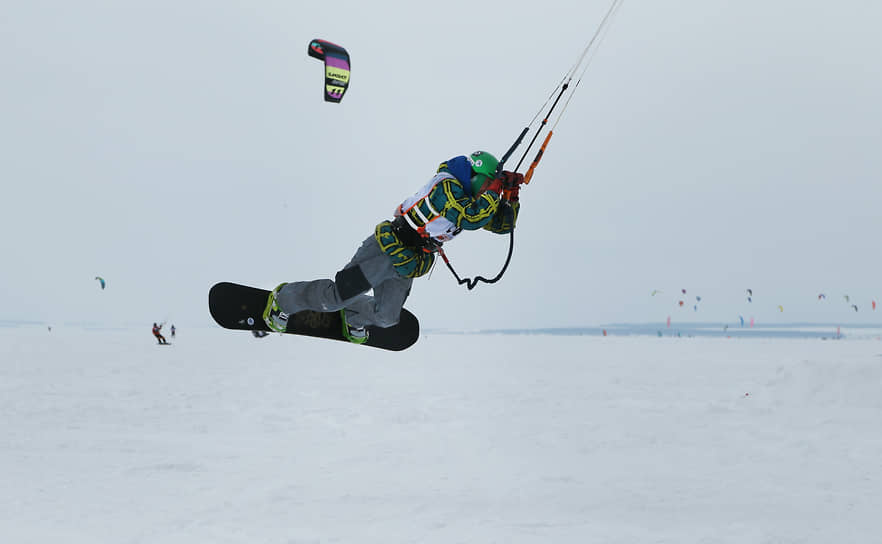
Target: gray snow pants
x,y
368,269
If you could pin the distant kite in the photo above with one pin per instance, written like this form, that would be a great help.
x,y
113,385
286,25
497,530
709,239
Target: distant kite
x,y
656,291
742,320
874,305
101,281
822,296
847,298
681,303
780,308
750,292
684,291
336,61
855,307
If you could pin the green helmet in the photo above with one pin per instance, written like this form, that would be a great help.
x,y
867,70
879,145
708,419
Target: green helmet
x,y
483,169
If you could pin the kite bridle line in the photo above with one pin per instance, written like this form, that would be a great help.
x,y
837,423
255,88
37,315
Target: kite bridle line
x,y
582,63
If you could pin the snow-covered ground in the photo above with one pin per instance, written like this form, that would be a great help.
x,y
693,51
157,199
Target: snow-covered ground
x,y
224,438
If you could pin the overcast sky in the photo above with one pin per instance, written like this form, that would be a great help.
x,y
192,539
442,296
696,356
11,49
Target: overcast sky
x,y
712,146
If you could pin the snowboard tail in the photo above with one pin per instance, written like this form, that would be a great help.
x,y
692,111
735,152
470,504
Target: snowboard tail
x,y
241,307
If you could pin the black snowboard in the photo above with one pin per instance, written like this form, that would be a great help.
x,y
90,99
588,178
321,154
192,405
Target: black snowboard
x,y
236,306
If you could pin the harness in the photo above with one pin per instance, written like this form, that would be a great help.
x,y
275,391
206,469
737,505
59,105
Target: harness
x,y
419,225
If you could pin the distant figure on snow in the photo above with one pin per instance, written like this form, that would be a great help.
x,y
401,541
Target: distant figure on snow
x,y
159,337
173,330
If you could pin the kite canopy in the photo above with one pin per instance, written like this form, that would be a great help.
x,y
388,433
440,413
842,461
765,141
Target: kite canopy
x,y
101,281
336,61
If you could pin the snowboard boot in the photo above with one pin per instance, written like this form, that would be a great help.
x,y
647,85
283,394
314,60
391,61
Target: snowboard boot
x,y
274,317
356,335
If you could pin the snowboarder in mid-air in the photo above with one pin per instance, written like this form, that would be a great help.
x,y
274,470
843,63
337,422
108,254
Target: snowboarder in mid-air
x,y
156,332
464,194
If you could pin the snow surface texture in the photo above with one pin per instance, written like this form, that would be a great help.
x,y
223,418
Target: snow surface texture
x,y
224,438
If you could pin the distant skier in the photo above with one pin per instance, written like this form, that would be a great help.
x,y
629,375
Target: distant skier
x,y
173,330
159,337
464,194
